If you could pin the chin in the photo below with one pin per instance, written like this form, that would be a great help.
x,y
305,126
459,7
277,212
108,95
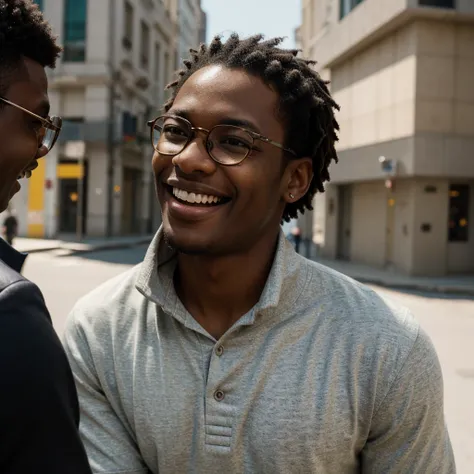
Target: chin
x,y
186,245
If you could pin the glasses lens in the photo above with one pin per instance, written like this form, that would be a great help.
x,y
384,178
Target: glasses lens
x,y
170,135
229,145
49,135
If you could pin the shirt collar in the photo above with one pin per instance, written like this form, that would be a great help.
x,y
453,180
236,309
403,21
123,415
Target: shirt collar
x,y
284,284
11,257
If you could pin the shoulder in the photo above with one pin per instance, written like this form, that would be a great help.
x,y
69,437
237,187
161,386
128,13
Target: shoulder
x,y
8,276
107,306
355,302
27,338
20,297
349,307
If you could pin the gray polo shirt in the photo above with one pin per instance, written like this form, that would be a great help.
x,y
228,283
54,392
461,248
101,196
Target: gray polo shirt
x,y
321,376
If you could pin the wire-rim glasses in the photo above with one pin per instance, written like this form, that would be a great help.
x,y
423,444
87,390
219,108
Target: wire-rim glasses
x,y
226,144
50,129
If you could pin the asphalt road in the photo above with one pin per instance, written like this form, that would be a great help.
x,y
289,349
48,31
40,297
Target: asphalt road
x,y
449,322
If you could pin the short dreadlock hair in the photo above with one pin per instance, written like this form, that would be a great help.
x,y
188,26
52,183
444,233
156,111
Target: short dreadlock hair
x,y
306,106
23,33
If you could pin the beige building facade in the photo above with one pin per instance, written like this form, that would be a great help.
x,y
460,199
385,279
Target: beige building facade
x,y
402,194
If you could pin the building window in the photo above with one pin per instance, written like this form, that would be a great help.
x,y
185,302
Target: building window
x,y
438,3
129,127
145,45
75,30
157,61
459,213
167,67
128,37
346,6
39,3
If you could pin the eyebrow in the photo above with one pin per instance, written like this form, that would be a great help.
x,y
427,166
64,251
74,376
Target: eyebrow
x,y
224,121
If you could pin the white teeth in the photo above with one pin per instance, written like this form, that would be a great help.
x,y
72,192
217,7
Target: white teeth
x,y
25,174
195,198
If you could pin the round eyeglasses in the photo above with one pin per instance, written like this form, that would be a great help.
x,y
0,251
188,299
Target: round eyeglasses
x,y
226,144
49,132
50,126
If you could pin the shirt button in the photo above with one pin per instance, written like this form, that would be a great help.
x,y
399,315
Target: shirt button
x,y
219,395
219,351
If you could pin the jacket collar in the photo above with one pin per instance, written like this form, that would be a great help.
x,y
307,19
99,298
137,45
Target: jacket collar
x,y
11,257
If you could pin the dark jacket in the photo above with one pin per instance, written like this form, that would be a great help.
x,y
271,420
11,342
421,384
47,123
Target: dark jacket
x,y
39,412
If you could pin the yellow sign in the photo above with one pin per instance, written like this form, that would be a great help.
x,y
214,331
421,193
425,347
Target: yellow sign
x,y
70,171
36,201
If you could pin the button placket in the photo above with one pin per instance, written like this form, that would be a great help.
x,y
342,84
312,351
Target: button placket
x,y
220,410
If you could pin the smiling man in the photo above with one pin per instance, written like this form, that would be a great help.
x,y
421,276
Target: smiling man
x,y
39,411
226,351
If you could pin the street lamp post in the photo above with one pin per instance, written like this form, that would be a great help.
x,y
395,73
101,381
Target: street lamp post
x,y
111,123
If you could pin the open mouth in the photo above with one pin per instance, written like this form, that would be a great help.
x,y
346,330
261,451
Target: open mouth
x,y
26,173
195,199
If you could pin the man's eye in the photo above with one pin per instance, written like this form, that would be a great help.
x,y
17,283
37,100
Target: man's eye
x,y
36,125
172,130
234,142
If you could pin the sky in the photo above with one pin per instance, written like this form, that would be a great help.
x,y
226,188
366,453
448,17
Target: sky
x,y
248,17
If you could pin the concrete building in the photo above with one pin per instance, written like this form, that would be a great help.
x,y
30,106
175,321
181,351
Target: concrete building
x,y
202,36
118,56
190,26
402,195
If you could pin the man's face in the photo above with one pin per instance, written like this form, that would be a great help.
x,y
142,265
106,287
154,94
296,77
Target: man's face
x,y
19,130
252,192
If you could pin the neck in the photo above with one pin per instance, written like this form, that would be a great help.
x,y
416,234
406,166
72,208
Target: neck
x,y
217,291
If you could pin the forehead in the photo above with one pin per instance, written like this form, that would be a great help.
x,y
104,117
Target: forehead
x,y
216,92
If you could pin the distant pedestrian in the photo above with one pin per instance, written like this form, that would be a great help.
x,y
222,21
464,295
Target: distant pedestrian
x,y
225,351
39,411
10,227
296,237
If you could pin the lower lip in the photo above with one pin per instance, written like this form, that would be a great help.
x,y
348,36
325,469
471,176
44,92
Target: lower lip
x,y
16,186
192,213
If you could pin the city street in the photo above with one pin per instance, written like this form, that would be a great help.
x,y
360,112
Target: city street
x,y
449,322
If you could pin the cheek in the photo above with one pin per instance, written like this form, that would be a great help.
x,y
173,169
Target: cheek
x,y
258,187
17,147
160,163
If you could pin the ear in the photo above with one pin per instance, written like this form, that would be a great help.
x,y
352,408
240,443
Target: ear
x,y
296,179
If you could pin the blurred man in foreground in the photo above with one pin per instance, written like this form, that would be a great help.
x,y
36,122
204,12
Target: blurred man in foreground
x,y
39,412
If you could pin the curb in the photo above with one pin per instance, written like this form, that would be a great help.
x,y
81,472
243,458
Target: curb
x,y
78,248
446,290
39,250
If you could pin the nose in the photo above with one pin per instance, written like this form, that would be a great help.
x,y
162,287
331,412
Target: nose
x,y
195,158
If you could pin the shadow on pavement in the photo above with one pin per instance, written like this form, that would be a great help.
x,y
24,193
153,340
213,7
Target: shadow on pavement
x,y
124,256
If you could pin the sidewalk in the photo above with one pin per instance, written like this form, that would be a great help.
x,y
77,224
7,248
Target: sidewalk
x,y
453,284
87,245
